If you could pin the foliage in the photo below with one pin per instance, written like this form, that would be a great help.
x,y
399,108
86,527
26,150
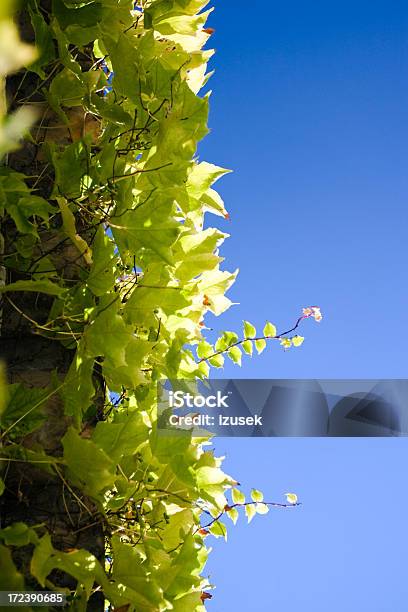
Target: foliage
x,y
119,182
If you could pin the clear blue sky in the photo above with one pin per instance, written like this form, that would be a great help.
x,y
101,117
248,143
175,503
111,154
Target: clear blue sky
x,y
310,110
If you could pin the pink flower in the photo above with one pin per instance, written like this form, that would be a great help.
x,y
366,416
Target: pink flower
x,y
312,311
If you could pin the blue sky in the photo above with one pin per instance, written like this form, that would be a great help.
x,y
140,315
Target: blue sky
x,y
310,110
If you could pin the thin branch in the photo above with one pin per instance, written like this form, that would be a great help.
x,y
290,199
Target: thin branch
x,y
116,179
239,342
229,507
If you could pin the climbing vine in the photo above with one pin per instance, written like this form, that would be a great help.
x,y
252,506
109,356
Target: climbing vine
x,y
106,256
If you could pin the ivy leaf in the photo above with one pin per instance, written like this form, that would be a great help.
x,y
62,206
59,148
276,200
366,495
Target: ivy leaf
x,y
291,498
233,515
40,286
134,577
180,24
219,530
211,476
24,208
217,361
250,511
261,508
260,345
204,350
80,564
237,496
43,41
249,330
70,166
234,353
18,534
123,436
88,466
24,411
150,227
101,279
79,389
70,230
247,346
227,339
257,496
10,578
297,340
202,176
269,330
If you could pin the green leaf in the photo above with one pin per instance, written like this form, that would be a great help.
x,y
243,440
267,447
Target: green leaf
x,y
217,361
250,512
133,575
234,353
202,176
262,508
150,227
204,349
197,253
80,564
123,436
227,339
18,534
247,346
178,527
219,530
101,279
89,467
24,410
233,515
297,340
180,24
40,561
269,330
191,601
260,345
40,286
210,476
10,578
257,496
34,205
43,41
70,166
69,227
291,498
79,389
68,88
237,496
249,330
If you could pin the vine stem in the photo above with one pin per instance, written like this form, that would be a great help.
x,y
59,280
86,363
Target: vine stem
x,y
239,342
229,507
